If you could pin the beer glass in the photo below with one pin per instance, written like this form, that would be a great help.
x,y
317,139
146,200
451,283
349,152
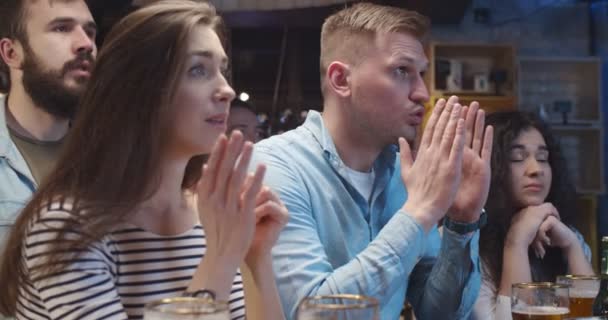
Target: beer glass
x,y
539,301
338,307
187,308
583,290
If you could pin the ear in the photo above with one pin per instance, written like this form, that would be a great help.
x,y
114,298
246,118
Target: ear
x,y
338,78
11,52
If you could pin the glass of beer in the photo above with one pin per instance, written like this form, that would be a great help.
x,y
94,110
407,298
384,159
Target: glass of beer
x,y
539,301
583,290
187,308
338,307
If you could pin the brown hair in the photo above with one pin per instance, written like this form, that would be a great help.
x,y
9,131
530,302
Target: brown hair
x,y
13,15
12,26
346,34
110,163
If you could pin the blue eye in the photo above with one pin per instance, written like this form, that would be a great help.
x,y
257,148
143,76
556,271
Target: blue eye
x,y
197,71
401,72
225,72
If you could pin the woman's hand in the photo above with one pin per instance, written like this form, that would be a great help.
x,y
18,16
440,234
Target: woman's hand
x,y
553,233
526,223
271,216
227,199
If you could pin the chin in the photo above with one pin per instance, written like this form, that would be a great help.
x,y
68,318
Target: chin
x,y
410,134
75,86
533,201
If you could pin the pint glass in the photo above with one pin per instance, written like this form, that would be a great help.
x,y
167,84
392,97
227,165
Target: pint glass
x,y
539,301
338,307
187,309
583,290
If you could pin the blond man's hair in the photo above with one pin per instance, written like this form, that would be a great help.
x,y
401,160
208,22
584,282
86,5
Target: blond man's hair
x,y
346,34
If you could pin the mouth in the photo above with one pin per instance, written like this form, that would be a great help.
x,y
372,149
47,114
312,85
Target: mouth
x,y
416,118
81,68
535,187
217,120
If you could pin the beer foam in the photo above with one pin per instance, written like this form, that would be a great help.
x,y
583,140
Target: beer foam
x,y
582,293
536,310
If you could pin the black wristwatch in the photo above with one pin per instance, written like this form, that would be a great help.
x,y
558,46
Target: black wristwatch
x,y
464,228
203,293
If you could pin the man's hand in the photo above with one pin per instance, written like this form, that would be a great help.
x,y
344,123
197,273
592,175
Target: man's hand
x,y
433,178
475,184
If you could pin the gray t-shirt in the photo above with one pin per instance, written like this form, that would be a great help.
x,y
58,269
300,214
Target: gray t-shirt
x,y
41,156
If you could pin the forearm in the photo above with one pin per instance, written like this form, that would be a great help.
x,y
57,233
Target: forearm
x,y
577,262
380,270
262,300
515,268
447,287
215,274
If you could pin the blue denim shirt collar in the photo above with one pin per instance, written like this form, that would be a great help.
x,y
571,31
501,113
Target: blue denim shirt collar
x,y
8,149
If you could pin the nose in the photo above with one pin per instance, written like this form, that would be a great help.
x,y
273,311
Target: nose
x,y
83,42
533,168
419,93
224,92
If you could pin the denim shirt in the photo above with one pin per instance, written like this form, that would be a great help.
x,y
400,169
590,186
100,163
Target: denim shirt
x,y
16,181
338,242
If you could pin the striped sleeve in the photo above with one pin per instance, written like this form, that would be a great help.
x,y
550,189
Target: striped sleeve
x,y
84,289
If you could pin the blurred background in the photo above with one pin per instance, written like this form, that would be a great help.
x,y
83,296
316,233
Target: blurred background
x,y
545,56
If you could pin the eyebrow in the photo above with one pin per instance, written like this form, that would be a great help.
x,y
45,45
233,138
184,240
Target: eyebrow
x,y
521,146
208,55
89,24
409,60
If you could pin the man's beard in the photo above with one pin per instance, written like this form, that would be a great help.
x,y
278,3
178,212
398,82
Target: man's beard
x,y
47,88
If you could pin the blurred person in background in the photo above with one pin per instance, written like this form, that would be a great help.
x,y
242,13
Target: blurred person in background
x,y
47,50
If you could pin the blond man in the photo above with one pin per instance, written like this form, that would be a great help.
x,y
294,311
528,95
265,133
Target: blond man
x,y
353,226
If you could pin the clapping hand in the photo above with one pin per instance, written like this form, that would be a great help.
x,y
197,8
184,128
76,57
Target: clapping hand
x,y
227,199
432,179
476,173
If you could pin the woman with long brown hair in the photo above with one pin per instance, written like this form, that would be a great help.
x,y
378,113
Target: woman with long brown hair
x,y
116,225
531,212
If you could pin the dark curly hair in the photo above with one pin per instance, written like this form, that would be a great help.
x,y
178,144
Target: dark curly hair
x,y
500,205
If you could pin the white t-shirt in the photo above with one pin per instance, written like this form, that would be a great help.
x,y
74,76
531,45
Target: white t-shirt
x,y
362,181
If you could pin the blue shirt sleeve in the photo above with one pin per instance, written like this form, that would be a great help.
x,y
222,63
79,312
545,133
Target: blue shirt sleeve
x,y
443,281
445,285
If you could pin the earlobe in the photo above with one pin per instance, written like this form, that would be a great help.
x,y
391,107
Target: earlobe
x,y
338,78
11,53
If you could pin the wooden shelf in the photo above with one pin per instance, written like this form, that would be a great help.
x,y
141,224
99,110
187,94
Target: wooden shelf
x,y
548,82
475,59
472,59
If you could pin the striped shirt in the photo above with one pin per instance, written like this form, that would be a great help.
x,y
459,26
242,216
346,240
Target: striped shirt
x,y
116,276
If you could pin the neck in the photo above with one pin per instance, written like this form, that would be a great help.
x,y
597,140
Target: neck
x,y
29,120
355,147
168,210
